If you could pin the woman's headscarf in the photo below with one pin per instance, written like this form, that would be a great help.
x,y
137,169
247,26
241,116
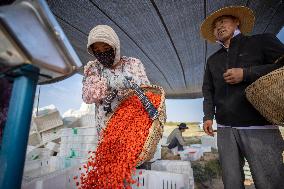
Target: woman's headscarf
x,y
105,34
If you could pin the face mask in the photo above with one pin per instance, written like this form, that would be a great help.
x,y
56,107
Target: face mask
x,y
105,58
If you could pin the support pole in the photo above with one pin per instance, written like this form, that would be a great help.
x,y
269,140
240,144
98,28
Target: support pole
x,y
16,131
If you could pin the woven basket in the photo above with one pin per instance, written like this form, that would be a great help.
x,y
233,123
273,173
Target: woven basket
x,y
156,130
267,96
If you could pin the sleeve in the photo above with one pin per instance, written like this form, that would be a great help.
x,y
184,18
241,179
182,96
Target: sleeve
x,y
272,51
180,139
94,86
208,94
138,71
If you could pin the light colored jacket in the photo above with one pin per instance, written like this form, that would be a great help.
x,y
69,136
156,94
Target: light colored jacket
x,y
99,81
176,133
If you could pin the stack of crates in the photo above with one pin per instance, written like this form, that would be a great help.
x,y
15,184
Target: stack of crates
x,y
209,141
48,124
77,142
145,179
175,166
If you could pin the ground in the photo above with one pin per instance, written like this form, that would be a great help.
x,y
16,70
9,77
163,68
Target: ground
x,y
207,169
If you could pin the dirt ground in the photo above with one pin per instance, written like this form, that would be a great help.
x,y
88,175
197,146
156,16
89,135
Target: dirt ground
x,y
206,179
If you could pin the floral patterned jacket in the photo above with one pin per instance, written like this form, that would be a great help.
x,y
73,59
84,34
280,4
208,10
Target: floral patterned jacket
x,y
99,81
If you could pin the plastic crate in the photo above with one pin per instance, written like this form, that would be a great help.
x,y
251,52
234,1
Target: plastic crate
x,y
34,138
146,179
48,121
77,142
52,134
173,166
209,141
87,120
191,154
81,131
38,153
204,148
53,146
71,153
40,167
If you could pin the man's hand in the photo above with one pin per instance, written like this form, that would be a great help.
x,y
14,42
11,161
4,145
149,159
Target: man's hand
x,y
207,127
234,75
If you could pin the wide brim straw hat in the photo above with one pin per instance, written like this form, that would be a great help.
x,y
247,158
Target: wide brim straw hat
x,y
244,14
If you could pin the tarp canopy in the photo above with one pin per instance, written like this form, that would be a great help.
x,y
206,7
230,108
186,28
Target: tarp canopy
x,y
164,34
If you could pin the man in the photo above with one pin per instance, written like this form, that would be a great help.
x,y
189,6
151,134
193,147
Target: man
x,y
175,139
242,131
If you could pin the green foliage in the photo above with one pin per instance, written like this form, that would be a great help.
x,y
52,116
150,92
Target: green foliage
x,y
199,173
206,172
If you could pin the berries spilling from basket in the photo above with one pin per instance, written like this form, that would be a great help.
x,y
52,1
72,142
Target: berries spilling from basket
x,y
113,164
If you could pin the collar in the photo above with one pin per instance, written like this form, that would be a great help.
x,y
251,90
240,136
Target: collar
x,y
236,33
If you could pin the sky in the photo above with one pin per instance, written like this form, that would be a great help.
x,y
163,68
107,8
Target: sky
x,y
67,94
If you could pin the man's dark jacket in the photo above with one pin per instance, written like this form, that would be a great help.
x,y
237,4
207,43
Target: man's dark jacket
x,y
257,55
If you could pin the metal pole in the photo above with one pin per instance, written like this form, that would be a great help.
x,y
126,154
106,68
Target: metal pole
x,y
38,101
16,131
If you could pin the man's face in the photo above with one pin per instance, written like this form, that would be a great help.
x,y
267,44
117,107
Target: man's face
x,y
182,130
224,27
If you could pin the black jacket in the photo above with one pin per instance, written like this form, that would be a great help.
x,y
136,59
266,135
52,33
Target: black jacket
x,y
256,55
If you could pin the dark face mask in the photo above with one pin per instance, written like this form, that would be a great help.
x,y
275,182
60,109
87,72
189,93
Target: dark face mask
x,y
105,58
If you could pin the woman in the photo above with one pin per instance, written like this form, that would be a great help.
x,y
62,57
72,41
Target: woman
x,y
104,77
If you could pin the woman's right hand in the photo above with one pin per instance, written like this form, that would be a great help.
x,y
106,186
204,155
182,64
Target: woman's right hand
x,y
207,127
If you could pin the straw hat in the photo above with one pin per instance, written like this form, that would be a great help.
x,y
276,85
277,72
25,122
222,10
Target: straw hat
x,y
244,14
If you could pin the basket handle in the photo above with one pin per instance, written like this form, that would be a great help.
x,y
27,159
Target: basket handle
x,y
152,111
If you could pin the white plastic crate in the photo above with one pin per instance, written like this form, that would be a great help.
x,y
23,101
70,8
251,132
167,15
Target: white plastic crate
x,y
209,141
39,167
52,134
38,153
53,146
77,142
79,146
48,121
149,179
175,166
87,120
204,148
34,138
71,153
79,131
191,154
79,139
56,180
